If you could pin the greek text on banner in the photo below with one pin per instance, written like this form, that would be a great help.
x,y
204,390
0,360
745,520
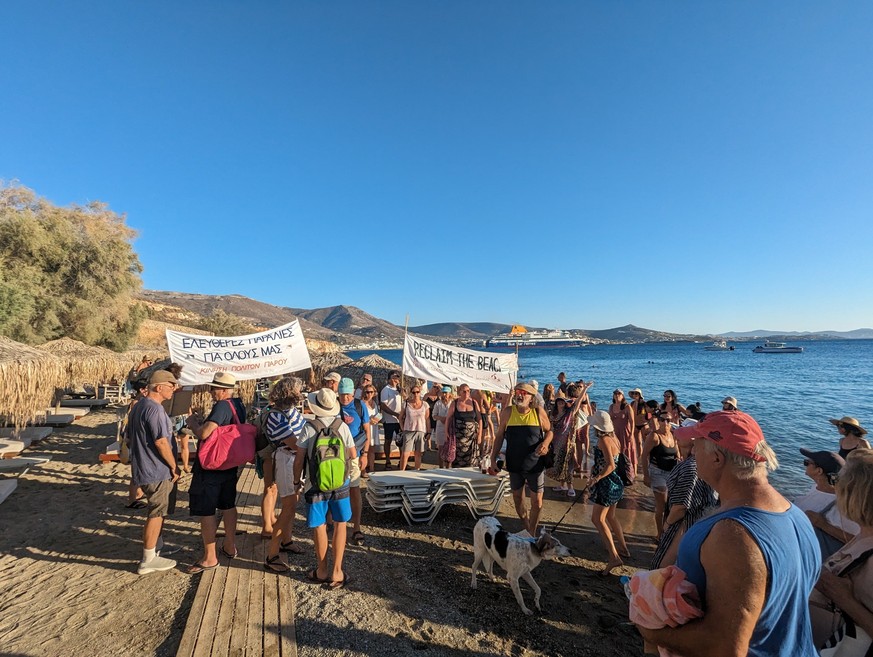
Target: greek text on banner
x,y
442,363
281,350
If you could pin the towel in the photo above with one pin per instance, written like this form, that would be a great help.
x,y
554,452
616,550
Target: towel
x,y
662,598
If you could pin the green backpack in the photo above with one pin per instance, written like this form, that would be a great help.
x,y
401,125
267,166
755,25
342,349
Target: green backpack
x,y
328,457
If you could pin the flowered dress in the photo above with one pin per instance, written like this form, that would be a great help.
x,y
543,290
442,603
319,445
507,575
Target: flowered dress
x,y
564,448
465,426
609,490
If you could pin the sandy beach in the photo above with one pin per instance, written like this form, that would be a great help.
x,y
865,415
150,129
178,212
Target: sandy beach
x,y
68,582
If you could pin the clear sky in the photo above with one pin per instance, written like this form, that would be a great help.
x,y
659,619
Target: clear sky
x,y
684,166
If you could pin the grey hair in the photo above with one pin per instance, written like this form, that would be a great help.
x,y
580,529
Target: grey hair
x,y
743,467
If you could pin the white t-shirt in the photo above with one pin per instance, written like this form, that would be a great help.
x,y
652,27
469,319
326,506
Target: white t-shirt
x,y
816,500
309,431
391,398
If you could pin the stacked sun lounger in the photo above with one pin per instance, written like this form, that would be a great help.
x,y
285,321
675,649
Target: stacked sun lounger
x,y
420,494
13,442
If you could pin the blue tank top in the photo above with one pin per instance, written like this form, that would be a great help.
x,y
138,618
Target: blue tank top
x,y
792,557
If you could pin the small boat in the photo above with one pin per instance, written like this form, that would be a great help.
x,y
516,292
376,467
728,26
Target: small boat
x,y
776,348
719,345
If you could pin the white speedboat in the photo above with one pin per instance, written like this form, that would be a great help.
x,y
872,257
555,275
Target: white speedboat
x,y
719,345
776,348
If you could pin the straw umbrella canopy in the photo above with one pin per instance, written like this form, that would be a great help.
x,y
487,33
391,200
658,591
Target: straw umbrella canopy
x,y
379,368
86,363
29,378
325,363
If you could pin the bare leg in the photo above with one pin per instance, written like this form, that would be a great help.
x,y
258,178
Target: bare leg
x,y
536,505
617,532
284,527
355,499
268,506
339,550
319,537
134,492
418,460
404,457
598,518
518,498
151,532
228,518
660,505
208,527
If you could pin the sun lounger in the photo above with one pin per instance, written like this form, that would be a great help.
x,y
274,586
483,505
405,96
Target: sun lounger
x,y
52,420
75,412
6,488
10,447
84,403
26,434
21,465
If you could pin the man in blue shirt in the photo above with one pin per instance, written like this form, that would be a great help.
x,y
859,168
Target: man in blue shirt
x,y
754,562
153,464
357,418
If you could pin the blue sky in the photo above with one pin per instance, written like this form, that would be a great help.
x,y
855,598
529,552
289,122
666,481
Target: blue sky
x,y
690,167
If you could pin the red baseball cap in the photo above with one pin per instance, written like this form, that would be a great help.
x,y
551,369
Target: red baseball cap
x,y
734,431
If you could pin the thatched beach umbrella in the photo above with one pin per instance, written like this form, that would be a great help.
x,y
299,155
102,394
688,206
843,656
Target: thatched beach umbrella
x,y
324,363
379,368
28,380
85,363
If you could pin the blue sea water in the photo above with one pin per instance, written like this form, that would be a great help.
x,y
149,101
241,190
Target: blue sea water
x,y
790,395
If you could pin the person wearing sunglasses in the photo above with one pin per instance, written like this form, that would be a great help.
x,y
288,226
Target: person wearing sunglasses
x,y
371,401
832,529
414,420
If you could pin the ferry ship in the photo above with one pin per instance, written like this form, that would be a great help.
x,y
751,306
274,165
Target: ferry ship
x,y
520,337
776,348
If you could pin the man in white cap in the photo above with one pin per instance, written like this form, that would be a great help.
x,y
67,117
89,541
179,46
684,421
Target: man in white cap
x,y
327,410
331,380
153,465
215,490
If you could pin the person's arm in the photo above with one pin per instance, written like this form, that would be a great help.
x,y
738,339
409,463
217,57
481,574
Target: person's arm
x,y
166,453
677,512
819,521
498,438
546,426
733,604
683,412
609,451
402,417
299,458
648,445
438,417
842,592
450,416
479,421
631,420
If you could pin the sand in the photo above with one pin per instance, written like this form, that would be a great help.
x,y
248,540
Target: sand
x,y
68,583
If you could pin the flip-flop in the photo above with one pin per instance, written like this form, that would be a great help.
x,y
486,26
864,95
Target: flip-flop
x,y
333,586
312,576
138,503
196,568
291,547
275,565
358,538
229,555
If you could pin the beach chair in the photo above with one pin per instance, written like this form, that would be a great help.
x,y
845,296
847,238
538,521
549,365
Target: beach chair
x,y
7,486
21,465
10,447
27,434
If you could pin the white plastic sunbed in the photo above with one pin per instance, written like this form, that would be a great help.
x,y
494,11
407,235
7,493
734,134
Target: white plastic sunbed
x,y
75,412
84,403
6,488
12,447
52,420
31,434
22,465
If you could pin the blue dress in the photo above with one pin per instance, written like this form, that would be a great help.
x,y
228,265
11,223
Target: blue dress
x,y
609,490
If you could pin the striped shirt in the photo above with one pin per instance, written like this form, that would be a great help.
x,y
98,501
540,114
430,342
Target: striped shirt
x,y
282,425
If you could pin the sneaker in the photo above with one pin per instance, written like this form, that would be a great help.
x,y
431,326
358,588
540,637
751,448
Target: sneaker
x,y
155,565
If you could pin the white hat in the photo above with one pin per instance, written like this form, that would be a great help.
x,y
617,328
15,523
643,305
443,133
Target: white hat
x,y
730,400
324,403
223,380
333,376
535,384
601,421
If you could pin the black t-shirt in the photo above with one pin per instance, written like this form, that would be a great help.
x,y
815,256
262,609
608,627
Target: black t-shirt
x,y
222,415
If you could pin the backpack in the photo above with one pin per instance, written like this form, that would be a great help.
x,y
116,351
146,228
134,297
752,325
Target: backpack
x,y
260,423
625,472
327,457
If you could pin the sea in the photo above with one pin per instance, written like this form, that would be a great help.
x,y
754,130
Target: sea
x,y
792,396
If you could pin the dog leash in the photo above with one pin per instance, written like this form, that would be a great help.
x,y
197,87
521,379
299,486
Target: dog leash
x,y
583,494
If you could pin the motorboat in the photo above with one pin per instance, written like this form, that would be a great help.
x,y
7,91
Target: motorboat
x,y
776,348
719,345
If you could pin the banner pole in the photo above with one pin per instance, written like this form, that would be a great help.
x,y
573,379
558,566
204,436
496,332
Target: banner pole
x,y
402,376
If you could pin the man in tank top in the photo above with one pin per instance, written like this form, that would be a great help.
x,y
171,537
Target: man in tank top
x,y
528,434
754,562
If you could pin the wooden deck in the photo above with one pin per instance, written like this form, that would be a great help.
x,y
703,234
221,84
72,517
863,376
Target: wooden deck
x,y
241,609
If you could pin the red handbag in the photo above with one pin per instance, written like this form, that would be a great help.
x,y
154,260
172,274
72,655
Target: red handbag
x,y
228,446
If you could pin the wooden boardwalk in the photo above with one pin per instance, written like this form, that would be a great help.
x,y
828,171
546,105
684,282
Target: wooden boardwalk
x,y
241,609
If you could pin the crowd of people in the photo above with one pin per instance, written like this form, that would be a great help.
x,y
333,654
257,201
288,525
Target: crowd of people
x,y
806,581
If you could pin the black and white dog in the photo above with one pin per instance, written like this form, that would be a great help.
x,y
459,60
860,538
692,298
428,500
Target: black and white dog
x,y
517,555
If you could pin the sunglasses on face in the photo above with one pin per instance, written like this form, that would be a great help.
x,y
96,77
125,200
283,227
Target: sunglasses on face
x,y
521,393
415,392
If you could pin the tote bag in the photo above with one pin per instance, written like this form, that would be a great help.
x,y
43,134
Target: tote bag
x,y
229,446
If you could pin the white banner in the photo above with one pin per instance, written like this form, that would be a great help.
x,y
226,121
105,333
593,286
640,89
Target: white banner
x,y
278,351
442,363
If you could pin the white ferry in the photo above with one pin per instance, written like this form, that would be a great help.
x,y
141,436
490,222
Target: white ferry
x,y
776,348
520,337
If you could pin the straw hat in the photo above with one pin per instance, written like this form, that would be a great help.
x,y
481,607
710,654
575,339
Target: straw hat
x,y
636,390
850,421
323,403
223,380
732,401
528,388
602,422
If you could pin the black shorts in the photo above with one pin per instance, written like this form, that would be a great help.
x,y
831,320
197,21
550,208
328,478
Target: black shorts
x,y
392,430
211,490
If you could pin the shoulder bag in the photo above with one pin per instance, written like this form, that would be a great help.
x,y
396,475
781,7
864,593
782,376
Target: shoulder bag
x,y
228,446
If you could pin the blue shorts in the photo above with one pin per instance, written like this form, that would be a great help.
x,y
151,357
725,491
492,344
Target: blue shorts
x,y
316,513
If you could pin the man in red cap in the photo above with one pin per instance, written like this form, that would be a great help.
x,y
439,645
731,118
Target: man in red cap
x,y
754,562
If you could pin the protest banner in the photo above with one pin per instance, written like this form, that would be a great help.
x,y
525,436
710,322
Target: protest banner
x,y
281,350
442,363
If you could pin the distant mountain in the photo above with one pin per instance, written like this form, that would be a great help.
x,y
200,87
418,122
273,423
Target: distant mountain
x,y
466,330
351,321
857,334
631,333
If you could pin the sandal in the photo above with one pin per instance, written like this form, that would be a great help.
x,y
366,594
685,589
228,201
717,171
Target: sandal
x,y
229,555
312,576
276,565
196,568
333,586
358,538
138,503
290,547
